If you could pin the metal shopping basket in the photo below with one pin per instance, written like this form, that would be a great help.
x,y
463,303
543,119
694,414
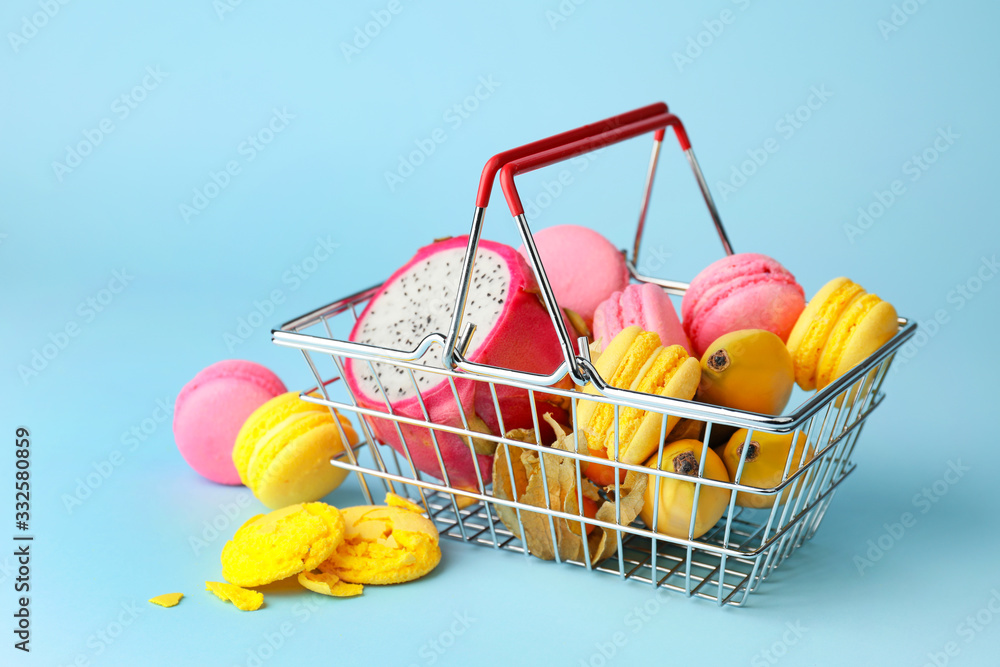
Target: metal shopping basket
x,y
726,563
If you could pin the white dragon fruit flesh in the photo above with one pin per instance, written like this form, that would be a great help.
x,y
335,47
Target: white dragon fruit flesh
x,y
513,330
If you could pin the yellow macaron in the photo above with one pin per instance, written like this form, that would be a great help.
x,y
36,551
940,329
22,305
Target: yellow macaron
x,y
277,545
384,545
284,449
636,360
840,327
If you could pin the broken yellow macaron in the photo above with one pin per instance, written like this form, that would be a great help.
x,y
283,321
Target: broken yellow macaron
x,y
243,599
167,599
269,547
389,544
325,583
840,327
636,360
283,451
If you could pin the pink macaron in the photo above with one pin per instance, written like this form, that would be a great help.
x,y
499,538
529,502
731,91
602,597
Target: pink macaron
x,y
211,409
744,291
583,267
646,306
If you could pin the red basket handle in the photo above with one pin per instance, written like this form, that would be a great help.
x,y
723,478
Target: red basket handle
x,y
585,145
495,163
654,118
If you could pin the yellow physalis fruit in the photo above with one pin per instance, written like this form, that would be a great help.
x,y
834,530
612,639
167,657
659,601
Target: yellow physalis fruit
x,y
749,369
675,502
764,464
167,599
245,600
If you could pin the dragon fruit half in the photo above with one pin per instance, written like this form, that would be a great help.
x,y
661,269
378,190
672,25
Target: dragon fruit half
x,y
513,330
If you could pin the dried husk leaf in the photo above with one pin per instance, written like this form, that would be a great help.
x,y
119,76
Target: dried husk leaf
x,y
604,541
481,445
506,460
561,480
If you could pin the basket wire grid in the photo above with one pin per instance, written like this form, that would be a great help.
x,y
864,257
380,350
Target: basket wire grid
x,y
724,564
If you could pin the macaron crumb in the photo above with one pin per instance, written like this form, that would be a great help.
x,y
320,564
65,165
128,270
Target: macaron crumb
x,y
167,599
330,584
392,500
244,599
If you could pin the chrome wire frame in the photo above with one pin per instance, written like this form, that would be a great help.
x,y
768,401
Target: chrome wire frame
x,y
725,564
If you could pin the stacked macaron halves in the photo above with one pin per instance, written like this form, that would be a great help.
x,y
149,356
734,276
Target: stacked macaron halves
x,y
742,291
582,266
284,449
842,325
643,305
636,360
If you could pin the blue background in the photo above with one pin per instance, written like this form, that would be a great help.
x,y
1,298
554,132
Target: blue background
x,y
189,281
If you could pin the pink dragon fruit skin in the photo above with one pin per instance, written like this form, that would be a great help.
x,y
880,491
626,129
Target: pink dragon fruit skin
x,y
513,331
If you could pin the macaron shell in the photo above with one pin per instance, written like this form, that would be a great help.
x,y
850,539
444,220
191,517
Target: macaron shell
x,y
384,545
277,545
726,270
262,421
302,470
651,378
810,311
583,267
644,305
211,409
750,303
812,339
683,384
633,362
605,366
278,438
742,291
874,331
